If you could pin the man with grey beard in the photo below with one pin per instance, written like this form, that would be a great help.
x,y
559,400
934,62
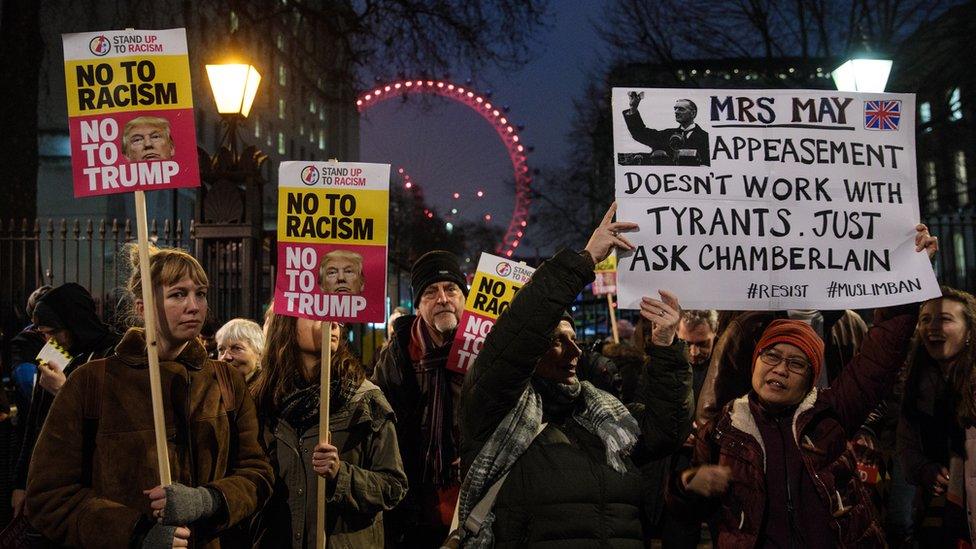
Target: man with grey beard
x,y
411,370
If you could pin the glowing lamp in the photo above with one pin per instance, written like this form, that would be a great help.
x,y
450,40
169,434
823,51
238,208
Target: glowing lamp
x,y
234,87
862,75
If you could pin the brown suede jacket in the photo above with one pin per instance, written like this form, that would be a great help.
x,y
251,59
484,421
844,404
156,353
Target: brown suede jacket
x,y
93,497
821,426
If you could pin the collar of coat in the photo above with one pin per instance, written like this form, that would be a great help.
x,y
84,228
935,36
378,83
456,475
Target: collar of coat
x,y
743,420
132,351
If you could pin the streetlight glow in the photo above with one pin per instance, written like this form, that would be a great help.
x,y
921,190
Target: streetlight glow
x,y
862,75
234,87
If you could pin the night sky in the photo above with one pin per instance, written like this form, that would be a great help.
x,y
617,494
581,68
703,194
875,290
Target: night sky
x,y
447,148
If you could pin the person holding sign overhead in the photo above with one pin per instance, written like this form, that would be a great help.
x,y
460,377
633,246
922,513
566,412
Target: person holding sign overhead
x,y
562,454
361,462
425,394
93,479
807,491
686,145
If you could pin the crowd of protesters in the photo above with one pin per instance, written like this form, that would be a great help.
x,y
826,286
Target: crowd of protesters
x,y
749,429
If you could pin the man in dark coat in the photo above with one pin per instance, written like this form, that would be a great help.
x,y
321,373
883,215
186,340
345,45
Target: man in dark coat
x,y
411,371
570,450
686,145
67,315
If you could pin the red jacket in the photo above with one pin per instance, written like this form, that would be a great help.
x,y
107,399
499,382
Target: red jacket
x,y
822,425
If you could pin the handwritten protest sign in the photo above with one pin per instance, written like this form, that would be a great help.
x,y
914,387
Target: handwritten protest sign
x,y
769,199
130,111
333,222
494,286
605,282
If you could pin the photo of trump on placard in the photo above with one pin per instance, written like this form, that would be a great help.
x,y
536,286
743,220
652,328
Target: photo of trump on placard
x,y
685,145
341,272
147,138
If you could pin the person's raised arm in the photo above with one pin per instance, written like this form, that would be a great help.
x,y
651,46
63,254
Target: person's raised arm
x,y
872,373
523,333
665,385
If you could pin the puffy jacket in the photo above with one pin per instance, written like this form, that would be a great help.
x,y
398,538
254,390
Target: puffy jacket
x,y
822,425
94,497
561,492
371,479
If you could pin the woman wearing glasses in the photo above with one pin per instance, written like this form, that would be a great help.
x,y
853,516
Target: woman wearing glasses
x,y
774,469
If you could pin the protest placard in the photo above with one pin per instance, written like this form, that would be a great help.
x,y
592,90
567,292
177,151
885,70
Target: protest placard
x,y
769,199
130,111
54,355
332,241
130,118
495,284
605,281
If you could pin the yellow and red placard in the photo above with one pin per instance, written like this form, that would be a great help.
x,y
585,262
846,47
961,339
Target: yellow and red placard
x,y
494,286
606,276
333,224
130,111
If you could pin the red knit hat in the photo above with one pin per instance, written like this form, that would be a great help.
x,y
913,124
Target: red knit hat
x,y
794,332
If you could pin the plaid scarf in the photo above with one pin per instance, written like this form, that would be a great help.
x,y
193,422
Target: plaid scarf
x,y
300,408
440,391
597,411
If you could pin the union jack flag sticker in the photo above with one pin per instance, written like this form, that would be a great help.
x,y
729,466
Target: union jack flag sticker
x,y
882,115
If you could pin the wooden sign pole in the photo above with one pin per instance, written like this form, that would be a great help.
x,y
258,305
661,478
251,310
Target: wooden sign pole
x,y
325,380
149,312
613,318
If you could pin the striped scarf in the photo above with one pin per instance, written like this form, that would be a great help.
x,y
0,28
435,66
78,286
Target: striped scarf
x,y
600,413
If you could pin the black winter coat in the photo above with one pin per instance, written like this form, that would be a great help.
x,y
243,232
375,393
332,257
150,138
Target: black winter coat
x,y
561,492
91,340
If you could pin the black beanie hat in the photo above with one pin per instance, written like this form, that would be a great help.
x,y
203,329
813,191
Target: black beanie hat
x,y
435,266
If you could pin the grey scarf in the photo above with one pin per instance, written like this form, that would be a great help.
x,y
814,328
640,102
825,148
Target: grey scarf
x,y
600,413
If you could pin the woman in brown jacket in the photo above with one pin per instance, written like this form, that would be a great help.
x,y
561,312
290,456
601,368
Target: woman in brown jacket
x,y
93,478
361,464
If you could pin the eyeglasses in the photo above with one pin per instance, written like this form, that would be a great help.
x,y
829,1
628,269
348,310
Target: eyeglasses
x,y
795,365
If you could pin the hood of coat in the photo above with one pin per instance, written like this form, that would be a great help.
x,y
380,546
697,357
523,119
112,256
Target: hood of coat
x,y
70,306
742,418
132,351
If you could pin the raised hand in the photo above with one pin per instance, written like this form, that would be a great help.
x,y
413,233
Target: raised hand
x,y
607,235
925,241
635,99
665,313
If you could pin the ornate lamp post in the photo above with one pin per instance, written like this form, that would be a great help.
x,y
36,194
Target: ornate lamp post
x,y
229,229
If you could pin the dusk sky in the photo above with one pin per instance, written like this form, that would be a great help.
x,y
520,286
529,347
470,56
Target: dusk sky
x,y
448,148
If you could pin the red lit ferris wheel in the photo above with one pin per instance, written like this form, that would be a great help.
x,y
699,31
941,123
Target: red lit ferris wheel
x,y
495,115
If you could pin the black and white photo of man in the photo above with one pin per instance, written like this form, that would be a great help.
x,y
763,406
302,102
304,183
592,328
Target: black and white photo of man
x,y
686,145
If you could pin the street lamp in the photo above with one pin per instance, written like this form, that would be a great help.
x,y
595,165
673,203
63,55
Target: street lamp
x,y
862,73
229,210
234,86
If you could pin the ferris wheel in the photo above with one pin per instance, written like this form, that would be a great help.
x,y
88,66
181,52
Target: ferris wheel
x,y
507,132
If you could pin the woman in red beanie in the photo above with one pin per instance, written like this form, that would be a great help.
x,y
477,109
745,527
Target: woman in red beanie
x,y
774,469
